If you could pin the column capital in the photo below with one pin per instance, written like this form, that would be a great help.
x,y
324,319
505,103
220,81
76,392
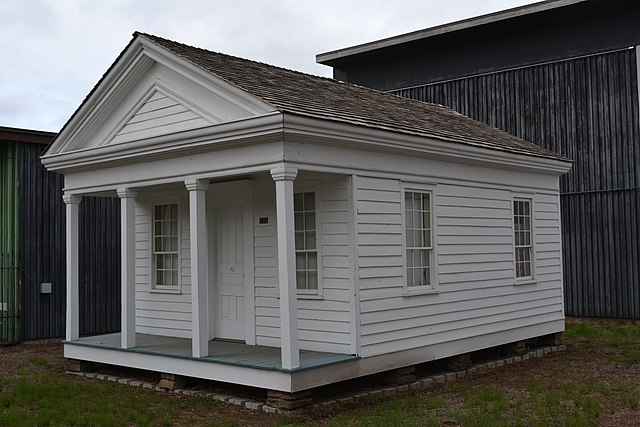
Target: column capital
x,y
71,199
196,184
127,192
284,173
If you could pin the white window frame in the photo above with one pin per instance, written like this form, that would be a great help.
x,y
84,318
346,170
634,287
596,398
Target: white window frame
x,y
308,187
169,200
433,255
524,197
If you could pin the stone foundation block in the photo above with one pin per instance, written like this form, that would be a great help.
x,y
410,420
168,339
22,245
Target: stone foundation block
x,y
514,349
551,339
172,381
459,362
400,376
284,400
74,365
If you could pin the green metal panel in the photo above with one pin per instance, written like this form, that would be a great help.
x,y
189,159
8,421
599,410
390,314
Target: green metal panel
x,y
9,271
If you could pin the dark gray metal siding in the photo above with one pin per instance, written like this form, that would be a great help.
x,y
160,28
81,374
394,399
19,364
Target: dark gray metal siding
x,y
42,254
586,109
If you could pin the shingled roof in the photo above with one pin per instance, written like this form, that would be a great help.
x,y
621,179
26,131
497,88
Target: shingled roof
x,y
303,94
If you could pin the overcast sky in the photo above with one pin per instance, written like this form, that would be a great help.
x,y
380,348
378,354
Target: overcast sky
x,y
52,52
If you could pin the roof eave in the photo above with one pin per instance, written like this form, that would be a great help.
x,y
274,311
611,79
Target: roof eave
x,y
402,143
328,58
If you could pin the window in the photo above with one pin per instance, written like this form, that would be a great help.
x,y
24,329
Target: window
x,y
304,210
522,237
418,240
165,247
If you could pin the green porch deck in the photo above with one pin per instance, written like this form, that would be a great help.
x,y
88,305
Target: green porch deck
x,y
223,352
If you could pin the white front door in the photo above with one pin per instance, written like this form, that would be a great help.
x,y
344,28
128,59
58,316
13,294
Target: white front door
x,y
230,275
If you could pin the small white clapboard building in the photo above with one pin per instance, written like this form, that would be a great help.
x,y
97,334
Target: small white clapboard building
x,y
286,231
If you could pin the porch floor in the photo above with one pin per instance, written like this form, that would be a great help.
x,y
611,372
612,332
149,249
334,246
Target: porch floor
x,y
224,352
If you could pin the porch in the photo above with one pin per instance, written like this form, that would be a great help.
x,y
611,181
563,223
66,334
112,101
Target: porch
x,y
233,362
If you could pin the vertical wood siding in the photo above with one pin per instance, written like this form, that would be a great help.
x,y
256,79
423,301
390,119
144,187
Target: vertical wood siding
x,y
476,294
42,254
323,324
587,110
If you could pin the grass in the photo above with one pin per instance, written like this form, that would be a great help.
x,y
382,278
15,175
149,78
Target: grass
x,y
593,383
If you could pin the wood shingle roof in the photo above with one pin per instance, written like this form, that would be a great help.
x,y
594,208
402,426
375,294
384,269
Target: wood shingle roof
x,y
303,94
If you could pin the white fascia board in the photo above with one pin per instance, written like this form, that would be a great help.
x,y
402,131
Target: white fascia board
x,y
123,72
265,127
324,131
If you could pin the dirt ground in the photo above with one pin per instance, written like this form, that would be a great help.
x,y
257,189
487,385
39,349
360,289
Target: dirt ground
x,y
586,362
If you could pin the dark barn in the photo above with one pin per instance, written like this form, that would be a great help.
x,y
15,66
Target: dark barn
x,y
562,74
32,246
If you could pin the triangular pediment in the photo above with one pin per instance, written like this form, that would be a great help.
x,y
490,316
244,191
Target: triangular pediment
x,y
160,113
150,93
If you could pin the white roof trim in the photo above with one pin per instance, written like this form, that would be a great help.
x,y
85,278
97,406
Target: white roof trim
x,y
323,58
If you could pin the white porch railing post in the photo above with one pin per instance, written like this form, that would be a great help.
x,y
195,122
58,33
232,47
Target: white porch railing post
x,y
284,177
72,203
128,273
199,268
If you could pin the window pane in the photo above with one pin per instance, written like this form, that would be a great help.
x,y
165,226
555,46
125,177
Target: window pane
x,y
418,238
301,261
310,221
299,240
309,201
409,276
301,279
408,219
427,237
409,236
310,240
410,258
312,282
298,223
417,220
408,201
417,258
312,261
297,202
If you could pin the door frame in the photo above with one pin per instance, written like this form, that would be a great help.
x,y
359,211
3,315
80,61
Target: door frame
x,y
228,195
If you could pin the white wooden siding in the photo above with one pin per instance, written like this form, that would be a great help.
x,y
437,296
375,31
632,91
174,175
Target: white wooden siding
x,y
475,259
159,313
159,115
324,324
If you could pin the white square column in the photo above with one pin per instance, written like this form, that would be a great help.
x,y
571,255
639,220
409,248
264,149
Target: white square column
x,y
128,266
284,177
72,203
199,268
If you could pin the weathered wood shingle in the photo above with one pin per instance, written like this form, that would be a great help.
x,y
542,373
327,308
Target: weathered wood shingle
x,y
312,96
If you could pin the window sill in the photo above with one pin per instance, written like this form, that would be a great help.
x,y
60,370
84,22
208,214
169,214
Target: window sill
x,y
175,291
310,296
306,296
419,291
528,281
